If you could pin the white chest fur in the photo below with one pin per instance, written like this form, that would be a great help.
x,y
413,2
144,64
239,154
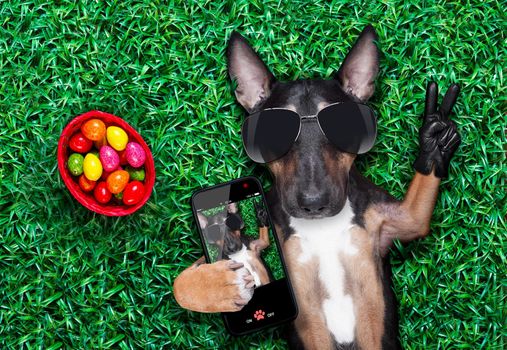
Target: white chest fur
x,y
327,239
243,256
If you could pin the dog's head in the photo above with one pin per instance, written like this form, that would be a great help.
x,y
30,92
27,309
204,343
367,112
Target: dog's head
x,y
311,179
223,229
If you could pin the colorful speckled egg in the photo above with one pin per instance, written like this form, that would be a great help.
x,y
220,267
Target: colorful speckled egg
x,y
75,164
117,138
94,129
109,158
117,181
135,154
92,167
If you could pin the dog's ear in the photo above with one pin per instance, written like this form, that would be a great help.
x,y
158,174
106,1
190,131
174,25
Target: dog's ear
x,y
253,78
359,69
203,221
232,208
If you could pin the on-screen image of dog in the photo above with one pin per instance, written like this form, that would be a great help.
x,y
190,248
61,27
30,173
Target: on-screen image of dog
x,y
240,231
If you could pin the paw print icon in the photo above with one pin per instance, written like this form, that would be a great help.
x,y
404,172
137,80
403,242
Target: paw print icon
x,y
259,315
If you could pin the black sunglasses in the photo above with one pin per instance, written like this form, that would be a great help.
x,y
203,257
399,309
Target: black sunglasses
x,y
270,133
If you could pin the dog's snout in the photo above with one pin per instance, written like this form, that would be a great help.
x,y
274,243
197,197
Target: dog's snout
x,y
313,203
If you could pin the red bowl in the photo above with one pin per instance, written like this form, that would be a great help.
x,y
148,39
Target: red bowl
x,y
87,199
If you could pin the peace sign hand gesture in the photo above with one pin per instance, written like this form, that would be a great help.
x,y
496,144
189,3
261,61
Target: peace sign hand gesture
x,y
438,137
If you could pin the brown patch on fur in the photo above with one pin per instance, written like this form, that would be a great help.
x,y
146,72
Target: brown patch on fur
x,y
279,234
373,224
347,284
310,323
363,281
262,242
256,248
409,219
208,288
283,169
338,164
259,268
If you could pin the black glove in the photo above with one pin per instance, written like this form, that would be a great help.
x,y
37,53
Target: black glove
x,y
438,137
262,214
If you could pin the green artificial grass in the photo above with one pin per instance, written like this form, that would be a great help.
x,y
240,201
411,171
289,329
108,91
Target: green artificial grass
x,y
73,279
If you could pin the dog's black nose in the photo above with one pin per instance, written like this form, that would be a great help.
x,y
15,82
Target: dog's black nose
x,y
313,203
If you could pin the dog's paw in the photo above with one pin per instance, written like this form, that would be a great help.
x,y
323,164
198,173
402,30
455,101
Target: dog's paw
x,y
238,286
224,286
245,282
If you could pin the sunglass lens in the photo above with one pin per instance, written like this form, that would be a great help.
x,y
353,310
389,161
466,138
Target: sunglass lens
x,y
269,134
349,126
234,222
213,233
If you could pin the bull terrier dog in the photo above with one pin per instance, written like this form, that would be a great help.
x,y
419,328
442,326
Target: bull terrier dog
x,y
334,225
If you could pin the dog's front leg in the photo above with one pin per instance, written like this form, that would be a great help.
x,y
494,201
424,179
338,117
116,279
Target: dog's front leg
x,y
439,139
262,242
410,218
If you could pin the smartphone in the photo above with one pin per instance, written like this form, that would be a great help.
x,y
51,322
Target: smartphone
x,y
234,223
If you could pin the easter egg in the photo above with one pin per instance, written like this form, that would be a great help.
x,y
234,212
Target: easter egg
x,y
136,173
105,174
79,143
92,167
75,164
101,193
109,158
117,181
135,154
85,184
94,129
133,193
117,138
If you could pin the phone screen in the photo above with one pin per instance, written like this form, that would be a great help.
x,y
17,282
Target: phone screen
x,y
234,223
233,231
